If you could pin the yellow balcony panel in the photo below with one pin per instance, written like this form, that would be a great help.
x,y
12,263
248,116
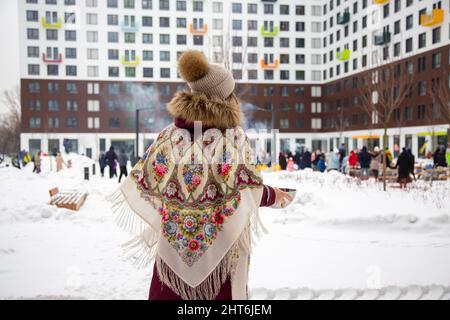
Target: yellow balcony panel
x,y
380,1
56,25
273,65
133,63
198,31
432,19
343,56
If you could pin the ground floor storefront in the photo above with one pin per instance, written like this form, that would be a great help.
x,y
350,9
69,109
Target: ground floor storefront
x,y
420,140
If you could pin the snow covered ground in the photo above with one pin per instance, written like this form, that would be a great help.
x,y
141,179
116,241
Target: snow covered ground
x,y
340,239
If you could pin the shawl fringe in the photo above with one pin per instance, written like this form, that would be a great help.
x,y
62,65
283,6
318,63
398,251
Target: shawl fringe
x,y
142,250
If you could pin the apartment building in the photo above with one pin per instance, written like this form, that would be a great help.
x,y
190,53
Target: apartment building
x,y
87,65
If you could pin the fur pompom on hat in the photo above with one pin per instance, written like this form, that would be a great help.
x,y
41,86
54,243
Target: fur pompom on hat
x,y
203,77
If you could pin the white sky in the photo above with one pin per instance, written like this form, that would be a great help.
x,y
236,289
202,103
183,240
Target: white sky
x,y
9,48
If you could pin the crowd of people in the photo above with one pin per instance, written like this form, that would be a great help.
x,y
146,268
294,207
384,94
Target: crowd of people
x,y
369,163
112,160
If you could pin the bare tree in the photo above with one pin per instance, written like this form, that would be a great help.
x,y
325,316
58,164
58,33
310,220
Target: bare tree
x,y
382,90
10,122
440,94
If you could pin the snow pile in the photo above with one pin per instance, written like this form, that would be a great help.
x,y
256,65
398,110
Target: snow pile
x,y
340,238
336,199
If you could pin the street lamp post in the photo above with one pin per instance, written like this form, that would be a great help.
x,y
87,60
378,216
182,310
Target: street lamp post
x,y
137,128
274,134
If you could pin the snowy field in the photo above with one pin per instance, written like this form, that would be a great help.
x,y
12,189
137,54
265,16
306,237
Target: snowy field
x,y
340,239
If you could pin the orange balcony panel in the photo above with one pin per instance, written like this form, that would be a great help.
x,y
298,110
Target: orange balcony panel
x,y
380,1
198,31
432,19
273,65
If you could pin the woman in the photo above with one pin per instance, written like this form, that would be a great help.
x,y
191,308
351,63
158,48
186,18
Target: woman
x,y
375,162
195,204
59,162
37,162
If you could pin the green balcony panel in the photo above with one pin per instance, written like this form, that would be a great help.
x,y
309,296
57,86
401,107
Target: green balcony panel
x,y
273,33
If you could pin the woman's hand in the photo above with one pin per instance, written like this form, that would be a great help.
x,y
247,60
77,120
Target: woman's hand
x,y
282,198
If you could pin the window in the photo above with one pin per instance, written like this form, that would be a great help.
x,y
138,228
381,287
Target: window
x,y
436,60
436,35
130,72
71,106
34,123
71,70
181,5
93,106
316,123
33,69
93,122
32,34
148,72
71,122
164,5
164,22
71,35
284,123
91,36
32,15
114,123
165,72
52,70
53,105
113,71
236,7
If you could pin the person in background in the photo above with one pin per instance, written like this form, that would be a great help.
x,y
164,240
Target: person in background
x,y
111,160
333,162
59,162
37,162
315,159
26,158
321,166
123,161
344,166
282,161
447,157
435,157
290,165
404,168
413,163
389,157
441,160
342,154
102,163
375,162
353,160
298,158
306,160
364,162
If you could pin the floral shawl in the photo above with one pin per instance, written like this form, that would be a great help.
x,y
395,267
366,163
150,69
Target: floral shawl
x,y
192,204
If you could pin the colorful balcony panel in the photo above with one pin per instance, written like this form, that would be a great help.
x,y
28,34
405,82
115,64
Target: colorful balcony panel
x,y
343,56
432,19
131,63
46,60
380,1
56,25
198,31
130,28
273,33
273,65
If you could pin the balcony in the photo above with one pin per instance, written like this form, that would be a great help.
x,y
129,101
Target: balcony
x,y
380,1
265,65
45,59
343,56
198,31
129,28
55,25
432,19
343,18
383,39
273,33
130,63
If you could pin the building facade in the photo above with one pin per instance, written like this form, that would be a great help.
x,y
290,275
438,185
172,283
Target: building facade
x,y
87,65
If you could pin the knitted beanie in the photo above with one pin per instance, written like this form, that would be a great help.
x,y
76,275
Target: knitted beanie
x,y
203,77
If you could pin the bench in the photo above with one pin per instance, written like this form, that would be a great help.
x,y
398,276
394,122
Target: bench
x,y
71,200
